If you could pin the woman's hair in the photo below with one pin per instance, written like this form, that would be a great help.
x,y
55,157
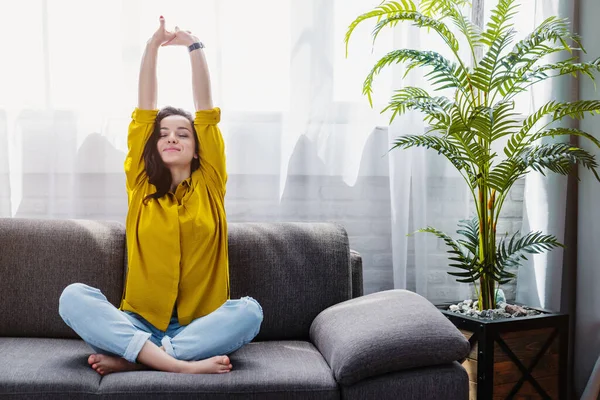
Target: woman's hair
x,y
158,174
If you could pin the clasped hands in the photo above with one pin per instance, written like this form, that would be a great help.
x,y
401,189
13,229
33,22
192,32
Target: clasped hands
x,y
163,37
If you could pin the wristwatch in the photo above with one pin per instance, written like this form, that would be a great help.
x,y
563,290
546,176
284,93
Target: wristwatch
x,y
196,45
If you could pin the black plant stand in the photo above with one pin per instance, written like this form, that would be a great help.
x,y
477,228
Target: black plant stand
x,y
514,357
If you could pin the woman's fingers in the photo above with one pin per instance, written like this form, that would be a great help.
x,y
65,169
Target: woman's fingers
x,y
162,22
168,42
175,37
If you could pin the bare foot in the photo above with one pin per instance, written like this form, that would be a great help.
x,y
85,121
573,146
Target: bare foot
x,y
213,365
104,364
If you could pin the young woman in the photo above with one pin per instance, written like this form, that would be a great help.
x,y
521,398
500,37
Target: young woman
x,y
175,314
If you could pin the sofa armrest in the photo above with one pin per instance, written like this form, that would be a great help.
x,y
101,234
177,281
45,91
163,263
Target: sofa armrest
x,y
384,332
357,273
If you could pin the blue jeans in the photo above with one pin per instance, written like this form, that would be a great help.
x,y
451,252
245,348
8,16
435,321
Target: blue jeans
x,y
111,331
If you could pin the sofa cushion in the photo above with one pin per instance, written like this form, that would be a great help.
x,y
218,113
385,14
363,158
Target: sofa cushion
x,y
263,370
383,332
36,368
39,258
294,270
46,368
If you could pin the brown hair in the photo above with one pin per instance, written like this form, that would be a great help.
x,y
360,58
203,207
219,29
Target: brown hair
x,y
158,174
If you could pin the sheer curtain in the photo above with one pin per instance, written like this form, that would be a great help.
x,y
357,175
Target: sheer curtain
x,y
540,281
302,142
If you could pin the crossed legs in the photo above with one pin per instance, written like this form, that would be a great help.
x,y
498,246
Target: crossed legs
x,y
122,343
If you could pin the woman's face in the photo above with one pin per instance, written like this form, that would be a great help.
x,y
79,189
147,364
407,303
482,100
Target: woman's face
x,y
176,143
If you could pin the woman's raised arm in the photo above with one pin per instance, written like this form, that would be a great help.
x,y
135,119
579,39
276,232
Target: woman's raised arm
x,y
212,146
200,76
147,85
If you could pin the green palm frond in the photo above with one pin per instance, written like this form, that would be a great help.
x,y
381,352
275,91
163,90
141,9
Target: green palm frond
x,y
459,124
505,174
559,158
451,9
460,260
492,123
465,107
420,21
469,228
576,109
490,66
499,22
567,67
440,79
534,46
554,111
504,119
563,132
470,31
441,8
443,147
556,157
502,276
510,252
452,74
517,141
473,150
384,10
413,98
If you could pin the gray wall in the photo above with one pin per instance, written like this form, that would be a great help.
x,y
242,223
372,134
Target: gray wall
x,y
587,330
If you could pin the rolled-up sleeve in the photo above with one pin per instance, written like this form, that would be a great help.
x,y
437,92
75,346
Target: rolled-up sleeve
x,y
212,147
140,129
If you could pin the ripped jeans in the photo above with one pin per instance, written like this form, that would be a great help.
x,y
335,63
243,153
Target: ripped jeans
x,y
108,330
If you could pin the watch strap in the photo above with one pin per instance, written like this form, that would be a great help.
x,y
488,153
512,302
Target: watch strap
x,y
196,45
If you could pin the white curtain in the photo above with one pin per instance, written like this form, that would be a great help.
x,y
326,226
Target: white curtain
x,y
425,189
302,142
540,280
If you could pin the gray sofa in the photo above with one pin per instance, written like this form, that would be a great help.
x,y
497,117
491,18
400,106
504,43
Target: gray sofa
x,y
320,337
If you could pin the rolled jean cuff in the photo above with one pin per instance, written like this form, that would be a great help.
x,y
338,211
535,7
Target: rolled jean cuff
x,y
135,345
166,342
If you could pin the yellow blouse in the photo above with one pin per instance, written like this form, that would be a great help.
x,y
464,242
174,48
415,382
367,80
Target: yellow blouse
x,y
177,245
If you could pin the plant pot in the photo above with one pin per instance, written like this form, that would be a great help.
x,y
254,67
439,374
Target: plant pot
x,y
514,358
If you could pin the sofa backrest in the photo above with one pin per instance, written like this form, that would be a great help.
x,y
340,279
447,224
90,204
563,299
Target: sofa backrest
x,y
39,258
295,270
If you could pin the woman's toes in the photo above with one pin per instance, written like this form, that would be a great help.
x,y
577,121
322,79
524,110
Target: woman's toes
x,y
225,360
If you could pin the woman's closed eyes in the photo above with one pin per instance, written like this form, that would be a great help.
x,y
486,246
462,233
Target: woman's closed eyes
x,y
181,132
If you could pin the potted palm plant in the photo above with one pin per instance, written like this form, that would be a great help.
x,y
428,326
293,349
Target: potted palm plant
x,y
465,128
